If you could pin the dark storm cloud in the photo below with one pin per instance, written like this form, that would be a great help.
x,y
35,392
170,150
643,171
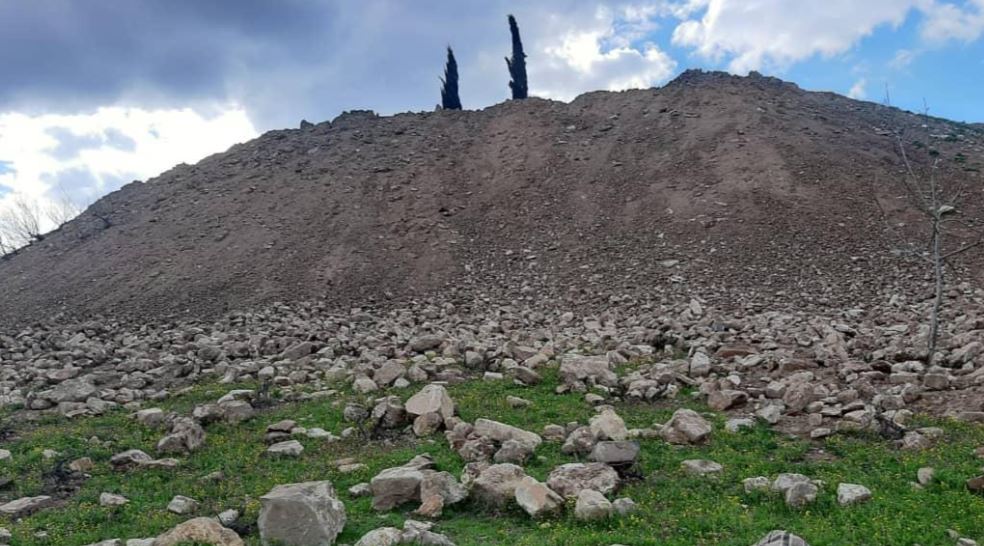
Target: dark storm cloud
x,y
66,55
281,59
70,143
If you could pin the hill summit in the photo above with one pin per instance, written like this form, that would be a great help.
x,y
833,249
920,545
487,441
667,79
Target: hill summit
x,y
741,188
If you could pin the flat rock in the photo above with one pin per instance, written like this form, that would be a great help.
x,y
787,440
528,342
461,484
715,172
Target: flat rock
x,y
701,467
500,432
110,499
199,531
24,506
615,453
569,479
290,448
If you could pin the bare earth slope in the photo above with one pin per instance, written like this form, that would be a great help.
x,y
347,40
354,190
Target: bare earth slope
x,y
746,188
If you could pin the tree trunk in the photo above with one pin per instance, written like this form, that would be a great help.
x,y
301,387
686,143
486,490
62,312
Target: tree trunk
x,y
934,322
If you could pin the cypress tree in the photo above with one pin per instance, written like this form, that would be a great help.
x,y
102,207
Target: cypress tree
x,y
517,64
449,84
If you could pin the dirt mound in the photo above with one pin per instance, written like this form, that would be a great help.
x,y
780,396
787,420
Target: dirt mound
x,y
742,188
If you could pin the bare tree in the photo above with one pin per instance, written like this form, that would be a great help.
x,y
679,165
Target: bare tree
x,y
22,220
951,229
61,209
4,248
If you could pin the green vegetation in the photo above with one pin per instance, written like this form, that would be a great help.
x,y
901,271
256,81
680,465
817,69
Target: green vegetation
x,y
449,84
674,508
517,63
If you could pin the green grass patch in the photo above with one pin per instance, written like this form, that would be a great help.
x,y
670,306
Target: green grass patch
x,y
674,508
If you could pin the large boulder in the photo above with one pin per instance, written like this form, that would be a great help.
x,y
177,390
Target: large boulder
x,y
570,479
686,427
497,484
301,514
199,531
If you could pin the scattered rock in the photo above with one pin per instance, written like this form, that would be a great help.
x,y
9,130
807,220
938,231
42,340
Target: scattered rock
x,y
536,498
758,483
608,426
110,499
570,479
925,475
401,484
182,505
24,506
290,448
615,454
701,467
726,399
500,432
592,505
624,506
199,531
686,427
496,485
301,514
849,493
781,538
577,370
801,494
186,436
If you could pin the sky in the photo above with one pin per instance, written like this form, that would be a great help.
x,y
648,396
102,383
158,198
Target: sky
x,y
95,94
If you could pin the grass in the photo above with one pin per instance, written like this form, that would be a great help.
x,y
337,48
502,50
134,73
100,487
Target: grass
x,y
674,509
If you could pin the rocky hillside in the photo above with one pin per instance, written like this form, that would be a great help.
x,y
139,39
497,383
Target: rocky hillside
x,y
740,189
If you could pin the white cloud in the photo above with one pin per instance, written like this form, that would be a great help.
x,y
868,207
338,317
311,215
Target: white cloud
x,y
947,21
903,58
599,52
756,34
858,90
155,141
